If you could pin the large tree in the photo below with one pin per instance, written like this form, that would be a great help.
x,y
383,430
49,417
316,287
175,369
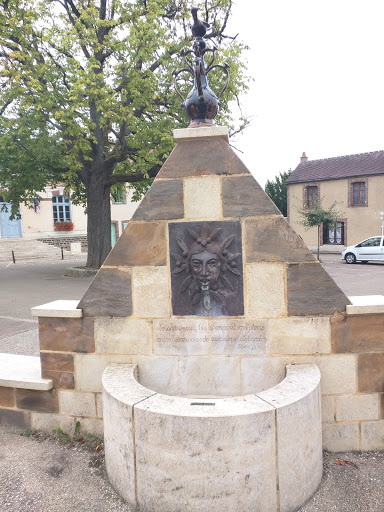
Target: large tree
x,y
277,191
86,95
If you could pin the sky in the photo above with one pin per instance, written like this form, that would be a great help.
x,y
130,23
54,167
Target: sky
x,y
318,80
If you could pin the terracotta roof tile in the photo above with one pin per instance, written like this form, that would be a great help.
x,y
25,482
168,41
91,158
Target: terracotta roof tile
x,y
363,164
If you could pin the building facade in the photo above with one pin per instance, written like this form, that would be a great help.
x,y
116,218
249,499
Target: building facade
x,y
54,206
354,182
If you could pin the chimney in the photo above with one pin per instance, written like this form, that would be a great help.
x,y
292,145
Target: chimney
x,y
304,157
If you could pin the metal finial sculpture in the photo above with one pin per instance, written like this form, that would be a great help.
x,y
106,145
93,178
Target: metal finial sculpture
x,y
201,105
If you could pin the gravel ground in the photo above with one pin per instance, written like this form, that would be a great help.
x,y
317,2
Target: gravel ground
x,y
40,474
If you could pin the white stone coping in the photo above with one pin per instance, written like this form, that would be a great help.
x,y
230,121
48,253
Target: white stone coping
x,y
120,382
22,372
365,304
204,132
58,309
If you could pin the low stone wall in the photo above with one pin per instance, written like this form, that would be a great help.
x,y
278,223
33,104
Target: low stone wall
x,y
348,349
65,241
238,453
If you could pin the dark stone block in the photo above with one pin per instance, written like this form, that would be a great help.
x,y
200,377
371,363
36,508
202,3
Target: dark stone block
x,y
66,334
61,380
206,268
311,291
164,200
358,333
40,401
142,243
15,418
57,362
7,397
109,294
370,368
202,157
272,239
243,197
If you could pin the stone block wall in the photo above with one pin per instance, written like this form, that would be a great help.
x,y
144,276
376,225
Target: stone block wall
x,y
294,313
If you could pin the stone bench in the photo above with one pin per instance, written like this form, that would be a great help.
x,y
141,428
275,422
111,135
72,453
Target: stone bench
x,y
260,452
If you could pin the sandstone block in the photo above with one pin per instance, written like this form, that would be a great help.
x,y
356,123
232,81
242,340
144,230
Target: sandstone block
x,y
41,401
89,369
164,200
238,336
372,435
272,239
123,336
265,290
357,407
66,334
341,437
328,408
299,335
57,362
61,380
202,198
99,405
151,292
77,404
371,372
142,243
261,373
181,337
13,418
7,397
48,422
311,291
243,196
338,373
202,157
109,294
358,333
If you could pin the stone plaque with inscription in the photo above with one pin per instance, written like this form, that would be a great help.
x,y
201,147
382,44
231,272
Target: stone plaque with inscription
x,y
206,268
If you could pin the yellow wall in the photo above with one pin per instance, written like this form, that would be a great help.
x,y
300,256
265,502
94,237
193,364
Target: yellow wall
x,y
362,222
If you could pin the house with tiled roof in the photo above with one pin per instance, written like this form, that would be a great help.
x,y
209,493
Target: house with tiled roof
x,y
355,182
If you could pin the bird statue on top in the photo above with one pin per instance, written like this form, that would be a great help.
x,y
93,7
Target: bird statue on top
x,y
201,105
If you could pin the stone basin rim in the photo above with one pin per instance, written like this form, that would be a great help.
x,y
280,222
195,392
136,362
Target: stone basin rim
x,y
120,381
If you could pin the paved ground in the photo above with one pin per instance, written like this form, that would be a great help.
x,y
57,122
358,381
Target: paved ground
x,y
26,284
43,476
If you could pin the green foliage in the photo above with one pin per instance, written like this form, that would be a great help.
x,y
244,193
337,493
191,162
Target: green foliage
x,y
87,90
312,217
277,191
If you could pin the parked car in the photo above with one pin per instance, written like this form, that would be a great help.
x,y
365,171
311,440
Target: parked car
x,y
370,249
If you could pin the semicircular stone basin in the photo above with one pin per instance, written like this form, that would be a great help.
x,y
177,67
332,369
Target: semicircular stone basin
x,y
259,452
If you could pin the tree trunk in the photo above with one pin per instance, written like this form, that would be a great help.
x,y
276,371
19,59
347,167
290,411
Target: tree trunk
x,y
99,221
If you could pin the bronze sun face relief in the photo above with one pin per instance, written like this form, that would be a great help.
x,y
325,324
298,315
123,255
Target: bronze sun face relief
x,y
206,268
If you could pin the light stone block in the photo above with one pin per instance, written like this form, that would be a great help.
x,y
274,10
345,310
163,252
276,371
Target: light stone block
x,y
49,422
159,373
99,405
22,372
123,336
328,408
372,435
205,457
238,337
75,247
338,372
92,426
342,437
202,198
299,445
89,369
183,337
210,376
357,407
77,404
209,132
150,290
58,309
265,290
300,335
261,373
